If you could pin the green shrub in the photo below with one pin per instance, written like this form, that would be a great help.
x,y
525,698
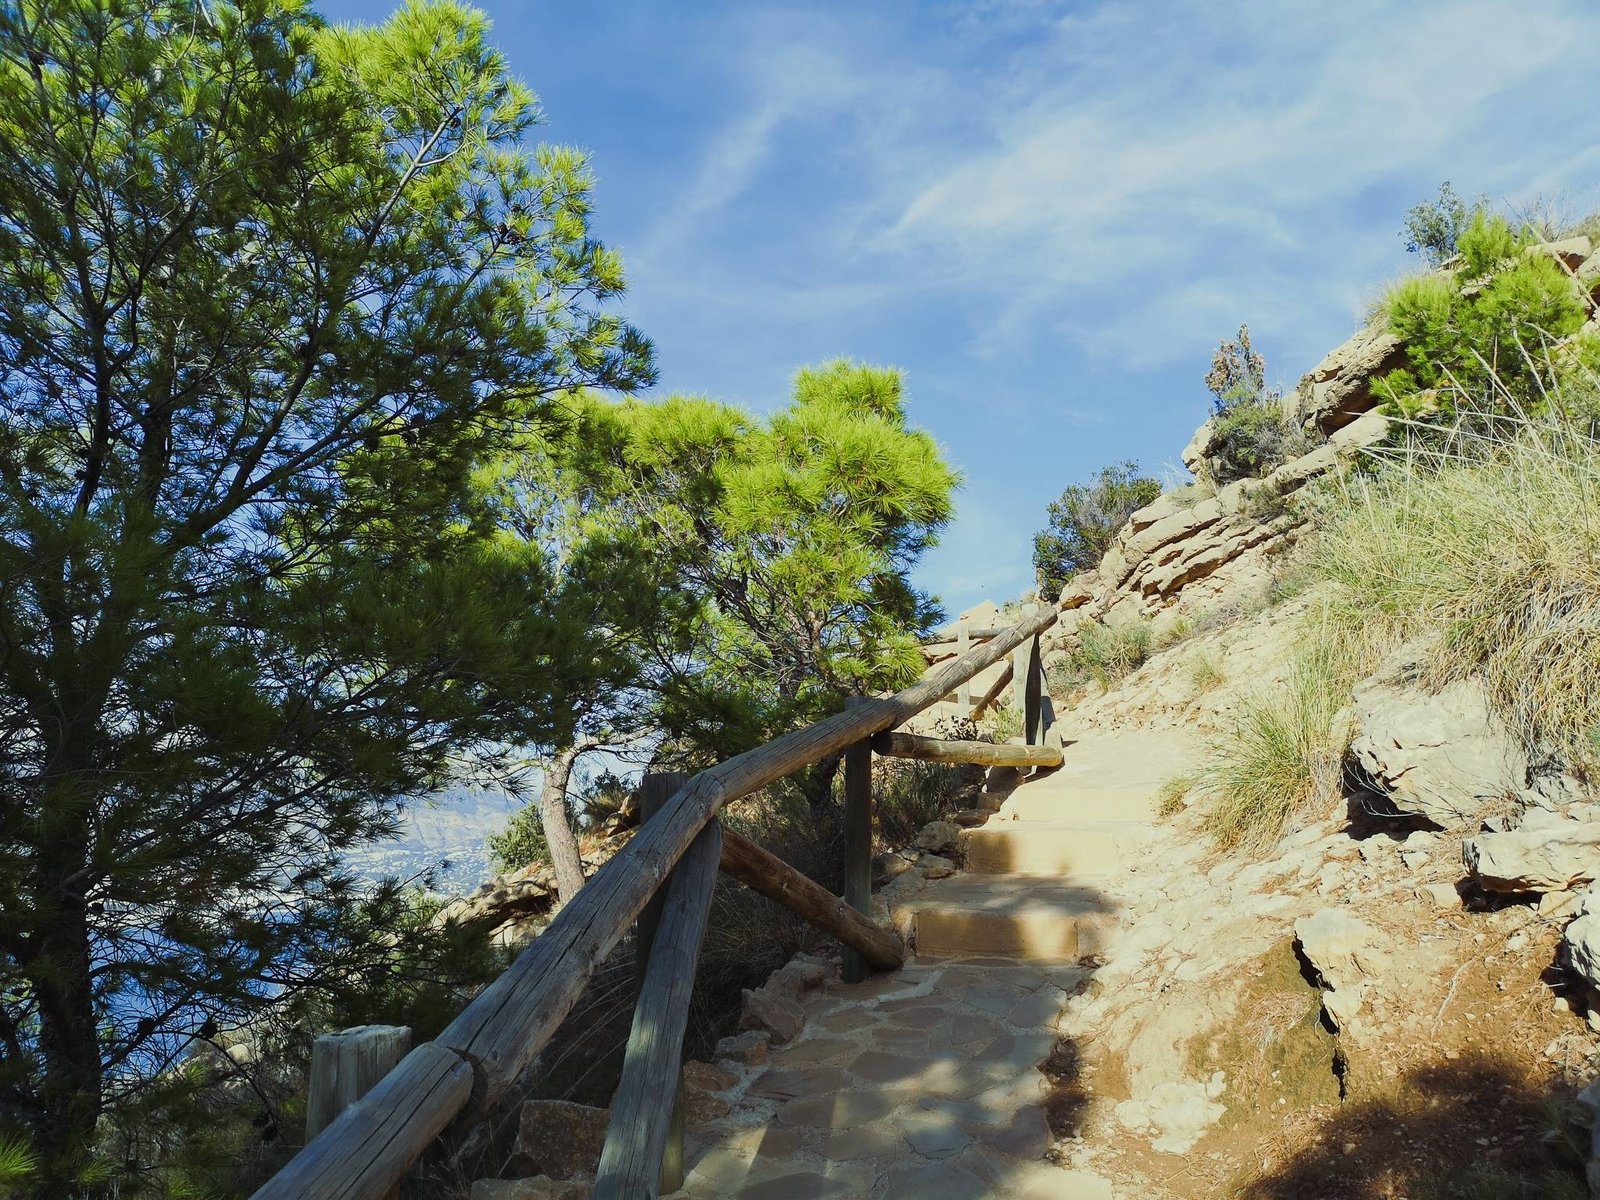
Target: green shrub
x,y
1463,343
1108,652
1487,243
1433,227
1250,439
909,793
1084,521
1005,721
521,843
1282,756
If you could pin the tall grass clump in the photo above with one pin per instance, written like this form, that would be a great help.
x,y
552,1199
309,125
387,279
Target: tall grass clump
x,y
1491,541
1282,756
1108,652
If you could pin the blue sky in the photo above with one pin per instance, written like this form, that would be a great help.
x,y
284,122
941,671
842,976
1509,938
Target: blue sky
x,y
1047,214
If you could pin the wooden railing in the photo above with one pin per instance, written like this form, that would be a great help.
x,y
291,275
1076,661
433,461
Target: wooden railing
x,y
476,1060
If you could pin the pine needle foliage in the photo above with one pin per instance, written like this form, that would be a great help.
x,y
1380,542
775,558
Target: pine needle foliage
x,y
796,533
269,290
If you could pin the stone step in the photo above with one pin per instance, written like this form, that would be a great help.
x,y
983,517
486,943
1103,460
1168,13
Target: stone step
x,y
1051,849
1046,800
1012,916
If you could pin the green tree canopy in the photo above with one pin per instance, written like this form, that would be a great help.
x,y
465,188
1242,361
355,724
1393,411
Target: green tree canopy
x,y
1084,521
269,290
793,534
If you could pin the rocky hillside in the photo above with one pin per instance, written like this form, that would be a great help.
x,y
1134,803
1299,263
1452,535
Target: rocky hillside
x,y
1396,993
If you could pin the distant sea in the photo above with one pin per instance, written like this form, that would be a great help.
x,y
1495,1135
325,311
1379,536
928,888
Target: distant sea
x,y
446,834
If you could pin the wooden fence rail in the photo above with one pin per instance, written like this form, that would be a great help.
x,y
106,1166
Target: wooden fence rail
x,y
475,1061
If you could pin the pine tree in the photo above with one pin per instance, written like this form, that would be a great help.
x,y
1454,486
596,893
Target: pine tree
x,y
796,535
269,291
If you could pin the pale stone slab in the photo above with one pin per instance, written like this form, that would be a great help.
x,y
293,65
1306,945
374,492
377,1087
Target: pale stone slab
x,y
877,1067
784,1084
843,1111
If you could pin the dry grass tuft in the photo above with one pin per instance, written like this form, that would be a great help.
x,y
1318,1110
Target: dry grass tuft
x,y
1492,539
1283,755
1203,670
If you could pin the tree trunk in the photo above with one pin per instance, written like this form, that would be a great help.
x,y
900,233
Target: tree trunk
x,y
61,973
557,827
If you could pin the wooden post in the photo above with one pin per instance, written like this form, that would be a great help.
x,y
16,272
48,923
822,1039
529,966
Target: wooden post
x,y
346,1065
764,872
1027,682
639,1159
964,694
655,789
857,891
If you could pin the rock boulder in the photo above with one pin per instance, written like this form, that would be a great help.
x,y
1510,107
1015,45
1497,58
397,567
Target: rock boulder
x,y
559,1139
1442,756
1349,957
1551,858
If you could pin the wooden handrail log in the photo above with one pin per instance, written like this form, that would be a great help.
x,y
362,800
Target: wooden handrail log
x,y
642,1109
946,750
1001,682
374,1142
978,633
512,1019
764,872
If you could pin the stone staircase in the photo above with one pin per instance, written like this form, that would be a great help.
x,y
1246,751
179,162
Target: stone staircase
x,y
923,1083
1038,870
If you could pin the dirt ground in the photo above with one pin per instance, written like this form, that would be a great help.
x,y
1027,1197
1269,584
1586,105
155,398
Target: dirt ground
x,y
1461,1087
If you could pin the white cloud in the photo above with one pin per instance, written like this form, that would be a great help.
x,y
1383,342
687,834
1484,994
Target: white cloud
x,y
1142,170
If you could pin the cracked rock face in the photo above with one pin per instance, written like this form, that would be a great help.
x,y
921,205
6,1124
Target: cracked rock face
x,y
1442,755
1349,958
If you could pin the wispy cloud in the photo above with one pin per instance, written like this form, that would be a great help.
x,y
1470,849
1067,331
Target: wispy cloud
x,y
1131,152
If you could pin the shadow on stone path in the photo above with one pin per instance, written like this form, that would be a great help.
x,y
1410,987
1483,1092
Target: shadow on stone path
x,y
919,1085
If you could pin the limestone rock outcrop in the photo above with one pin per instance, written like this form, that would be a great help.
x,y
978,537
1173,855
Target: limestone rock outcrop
x,y
1349,956
1339,388
1553,857
1439,755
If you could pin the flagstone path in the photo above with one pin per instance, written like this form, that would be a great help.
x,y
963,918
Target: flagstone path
x,y
923,1084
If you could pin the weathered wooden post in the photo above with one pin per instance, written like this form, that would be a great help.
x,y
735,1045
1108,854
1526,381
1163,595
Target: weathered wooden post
x,y
857,890
639,1161
346,1065
964,693
655,789
1027,681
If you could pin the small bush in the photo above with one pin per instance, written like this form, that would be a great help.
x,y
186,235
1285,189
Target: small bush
x,y
1005,721
909,794
1282,757
1433,227
1487,338
521,843
1171,795
1203,670
1085,520
1251,433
